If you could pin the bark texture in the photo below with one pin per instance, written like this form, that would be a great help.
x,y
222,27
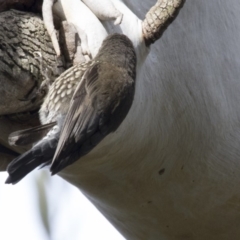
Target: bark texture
x,y
158,18
23,39
24,5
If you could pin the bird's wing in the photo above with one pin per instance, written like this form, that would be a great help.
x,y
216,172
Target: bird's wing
x,y
30,135
90,117
76,126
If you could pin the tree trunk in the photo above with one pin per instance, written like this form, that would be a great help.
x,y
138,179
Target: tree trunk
x,y
26,58
23,5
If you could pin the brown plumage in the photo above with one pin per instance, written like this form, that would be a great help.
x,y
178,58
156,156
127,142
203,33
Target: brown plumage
x,y
103,93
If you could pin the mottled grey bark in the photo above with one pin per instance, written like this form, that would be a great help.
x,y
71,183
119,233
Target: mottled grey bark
x,y
22,38
159,17
23,5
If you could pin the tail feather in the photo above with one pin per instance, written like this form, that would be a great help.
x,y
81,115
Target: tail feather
x,y
41,154
29,136
21,166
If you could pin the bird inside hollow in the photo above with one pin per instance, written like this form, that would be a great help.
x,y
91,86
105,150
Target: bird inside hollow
x,y
84,104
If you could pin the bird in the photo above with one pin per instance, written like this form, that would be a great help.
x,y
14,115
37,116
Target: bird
x,y
83,105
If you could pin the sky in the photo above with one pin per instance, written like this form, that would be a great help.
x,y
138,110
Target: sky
x,y
70,214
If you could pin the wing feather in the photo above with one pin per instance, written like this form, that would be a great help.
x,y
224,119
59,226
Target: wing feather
x,y
30,135
79,113
93,113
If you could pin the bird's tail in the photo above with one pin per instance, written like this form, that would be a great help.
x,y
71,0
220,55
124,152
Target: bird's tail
x,y
40,154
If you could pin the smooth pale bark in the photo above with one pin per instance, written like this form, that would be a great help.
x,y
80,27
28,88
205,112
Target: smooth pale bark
x,y
176,174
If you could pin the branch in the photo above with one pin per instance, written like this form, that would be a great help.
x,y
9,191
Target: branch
x,y
158,18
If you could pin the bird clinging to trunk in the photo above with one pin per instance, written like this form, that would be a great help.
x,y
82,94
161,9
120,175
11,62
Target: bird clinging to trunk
x,y
103,91
177,174
142,38
95,104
